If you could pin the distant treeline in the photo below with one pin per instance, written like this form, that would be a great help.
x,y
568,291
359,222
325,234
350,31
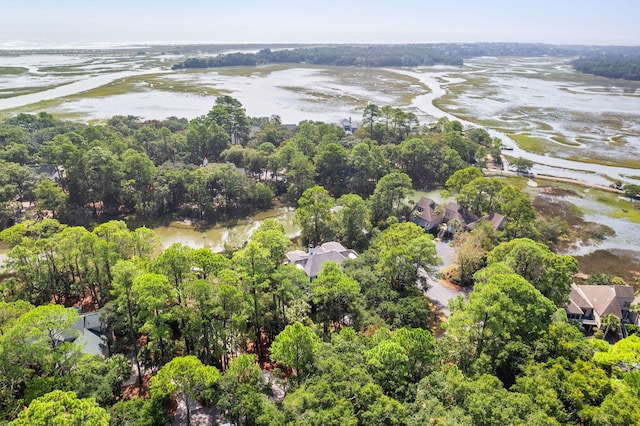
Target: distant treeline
x,y
408,55
366,56
612,66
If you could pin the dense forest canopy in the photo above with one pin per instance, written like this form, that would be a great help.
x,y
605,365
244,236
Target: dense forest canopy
x,y
256,337
612,66
408,55
370,56
218,165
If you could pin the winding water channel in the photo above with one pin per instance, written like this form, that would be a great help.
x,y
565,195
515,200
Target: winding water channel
x,y
587,172
279,91
299,93
73,88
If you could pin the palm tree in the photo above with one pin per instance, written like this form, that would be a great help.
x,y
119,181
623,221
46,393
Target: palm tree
x,y
609,321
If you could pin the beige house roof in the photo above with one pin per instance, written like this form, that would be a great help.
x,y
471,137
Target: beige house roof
x,y
606,299
578,302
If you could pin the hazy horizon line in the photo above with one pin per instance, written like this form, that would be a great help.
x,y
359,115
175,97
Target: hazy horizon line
x,y
30,45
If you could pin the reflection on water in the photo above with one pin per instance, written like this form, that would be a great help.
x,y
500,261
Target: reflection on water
x,y
233,235
215,238
4,249
434,194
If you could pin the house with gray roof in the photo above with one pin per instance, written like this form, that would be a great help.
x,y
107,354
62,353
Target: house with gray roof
x,y
311,262
89,336
589,303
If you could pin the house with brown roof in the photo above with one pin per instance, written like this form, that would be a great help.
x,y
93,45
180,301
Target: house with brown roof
x,y
496,220
312,261
427,214
589,303
456,215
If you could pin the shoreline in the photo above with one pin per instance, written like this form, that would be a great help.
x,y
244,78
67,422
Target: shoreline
x,y
437,83
544,176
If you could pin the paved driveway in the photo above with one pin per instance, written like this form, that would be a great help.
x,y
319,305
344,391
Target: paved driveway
x,y
438,293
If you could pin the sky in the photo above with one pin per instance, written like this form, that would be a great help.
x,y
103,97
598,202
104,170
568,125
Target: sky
x,y
32,23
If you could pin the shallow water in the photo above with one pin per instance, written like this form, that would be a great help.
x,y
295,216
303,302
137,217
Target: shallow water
x,y
545,98
215,238
145,104
627,233
234,235
75,87
541,97
4,249
547,164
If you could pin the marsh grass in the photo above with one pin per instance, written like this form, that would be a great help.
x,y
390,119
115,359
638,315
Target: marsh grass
x,y
610,204
620,263
142,83
474,82
618,141
13,70
10,93
584,140
374,79
621,161
403,87
517,181
493,124
407,98
621,208
319,96
161,82
553,201
117,87
33,108
262,70
98,65
542,126
548,128
531,143
562,140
